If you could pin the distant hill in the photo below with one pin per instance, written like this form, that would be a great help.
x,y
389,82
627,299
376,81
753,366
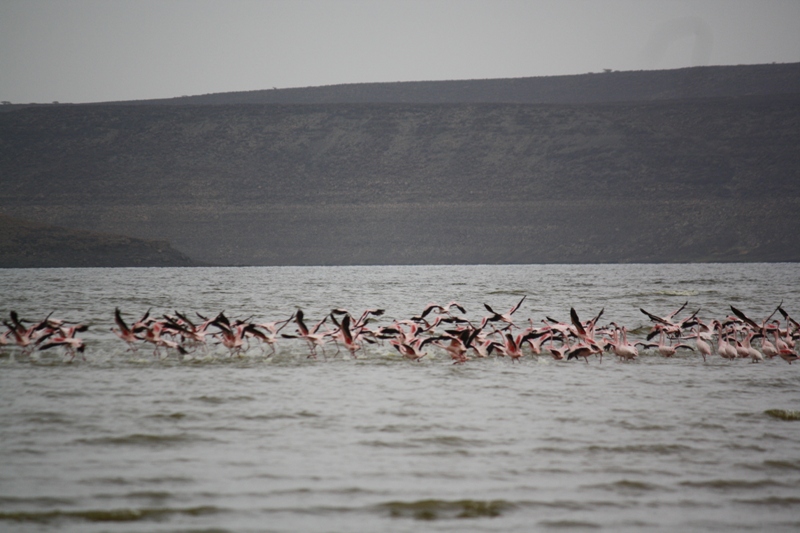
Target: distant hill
x,y
703,177
603,87
24,244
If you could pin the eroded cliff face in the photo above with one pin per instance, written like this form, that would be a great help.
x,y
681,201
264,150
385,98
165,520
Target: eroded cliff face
x,y
713,179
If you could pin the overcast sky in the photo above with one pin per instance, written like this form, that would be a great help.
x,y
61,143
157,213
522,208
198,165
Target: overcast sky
x,y
97,50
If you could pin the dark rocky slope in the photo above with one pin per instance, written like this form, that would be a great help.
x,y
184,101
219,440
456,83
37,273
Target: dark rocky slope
x,y
25,244
701,179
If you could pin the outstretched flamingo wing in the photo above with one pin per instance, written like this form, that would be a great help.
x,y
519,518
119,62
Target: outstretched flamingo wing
x,y
654,318
121,323
675,313
513,309
744,317
576,322
345,327
595,319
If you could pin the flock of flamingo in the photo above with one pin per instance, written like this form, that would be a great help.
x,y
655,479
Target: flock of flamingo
x,y
442,327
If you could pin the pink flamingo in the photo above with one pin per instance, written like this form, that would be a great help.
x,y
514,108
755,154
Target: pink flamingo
x,y
347,336
702,346
124,332
622,348
755,355
23,337
484,346
587,345
455,348
558,353
724,348
439,309
788,355
70,343
412,350
152,334
497,317
511,346
311,336
68,340
585,349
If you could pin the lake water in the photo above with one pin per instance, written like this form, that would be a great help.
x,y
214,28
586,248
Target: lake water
x,y
129,442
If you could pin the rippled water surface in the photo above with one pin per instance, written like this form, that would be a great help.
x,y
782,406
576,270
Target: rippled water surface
x,y
129,442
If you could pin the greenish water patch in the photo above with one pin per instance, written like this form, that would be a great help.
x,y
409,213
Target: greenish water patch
x,y
568,524
146,440
776,501
443,509
104,515
165,416
781,464
626,486
783,414
733,484
649,449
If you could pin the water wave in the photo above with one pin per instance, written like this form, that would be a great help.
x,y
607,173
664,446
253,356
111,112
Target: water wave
x,y
106,515
44,501
738,446
388,444
216,400
771,501
782,465
627,486
144,439
168,416
281,416
446,509
49,417
625,424
508,292
677,293
658,449
733,484
451,441
124,481
569,524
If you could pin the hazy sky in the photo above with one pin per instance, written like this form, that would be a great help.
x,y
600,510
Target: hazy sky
x,y
96,50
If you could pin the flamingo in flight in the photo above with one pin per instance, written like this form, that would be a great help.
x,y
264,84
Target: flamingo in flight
x,y
311,336
451,333
439,309
668,324
124,332
505,317
788,355
413,350
68,340
346,335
